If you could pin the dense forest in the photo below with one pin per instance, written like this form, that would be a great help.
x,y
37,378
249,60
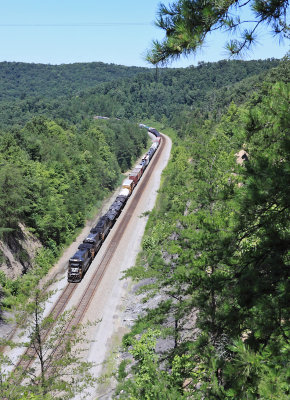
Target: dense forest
x,y
52,175
209,87
21,80
216,251
215,248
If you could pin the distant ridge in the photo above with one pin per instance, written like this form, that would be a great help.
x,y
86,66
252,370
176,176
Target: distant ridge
x,y
22,80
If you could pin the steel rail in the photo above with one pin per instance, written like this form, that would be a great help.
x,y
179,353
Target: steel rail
x,y
96,279
79,311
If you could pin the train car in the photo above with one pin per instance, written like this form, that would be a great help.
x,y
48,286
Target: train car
x,y
157,140
154,146
135,175
128,184
96,230
112,215
123,195
96,240
146,159
103,226
118,206
81,260
79,263
150,153
140,167
87,246
143,163
154,131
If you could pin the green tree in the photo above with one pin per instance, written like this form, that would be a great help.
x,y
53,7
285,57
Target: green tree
x,y
57,369
216,251
13,197
147,383
188,22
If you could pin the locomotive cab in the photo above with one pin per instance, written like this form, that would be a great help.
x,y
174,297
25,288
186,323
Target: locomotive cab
x,y
103,226
79,263
95,240
74,270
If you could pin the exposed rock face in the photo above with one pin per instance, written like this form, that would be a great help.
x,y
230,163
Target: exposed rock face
x,y
242,156
18,252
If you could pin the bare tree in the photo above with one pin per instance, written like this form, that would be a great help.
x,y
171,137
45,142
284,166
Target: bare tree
x,y
53,365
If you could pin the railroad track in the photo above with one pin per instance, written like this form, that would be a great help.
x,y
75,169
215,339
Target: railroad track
x,y
79,311
114,241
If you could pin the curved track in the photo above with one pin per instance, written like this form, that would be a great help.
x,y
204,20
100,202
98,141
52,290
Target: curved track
x,y
112,241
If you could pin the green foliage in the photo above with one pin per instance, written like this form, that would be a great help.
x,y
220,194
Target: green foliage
x,y
61,172
187,23
51,176
206,89
60,371
17,291
146,383
13,196
23,80
216,249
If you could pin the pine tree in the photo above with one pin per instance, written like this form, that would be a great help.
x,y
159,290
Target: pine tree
x,y
187,23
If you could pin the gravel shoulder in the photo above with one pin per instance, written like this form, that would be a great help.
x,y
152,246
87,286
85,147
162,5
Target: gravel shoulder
x,y
115,304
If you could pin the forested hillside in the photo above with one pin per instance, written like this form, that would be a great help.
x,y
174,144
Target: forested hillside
x,y
49,140
208,87
52,174
215,248
63,162
22,80
216,255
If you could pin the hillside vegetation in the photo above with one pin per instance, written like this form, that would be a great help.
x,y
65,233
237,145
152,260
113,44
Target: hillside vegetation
x,y
21,80
215,248
143,95
52,175
216,251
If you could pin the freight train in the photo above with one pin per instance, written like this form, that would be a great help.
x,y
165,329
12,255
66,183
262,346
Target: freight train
x,y
79,263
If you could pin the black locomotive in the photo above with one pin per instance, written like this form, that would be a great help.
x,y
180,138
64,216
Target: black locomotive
x,y
81,260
